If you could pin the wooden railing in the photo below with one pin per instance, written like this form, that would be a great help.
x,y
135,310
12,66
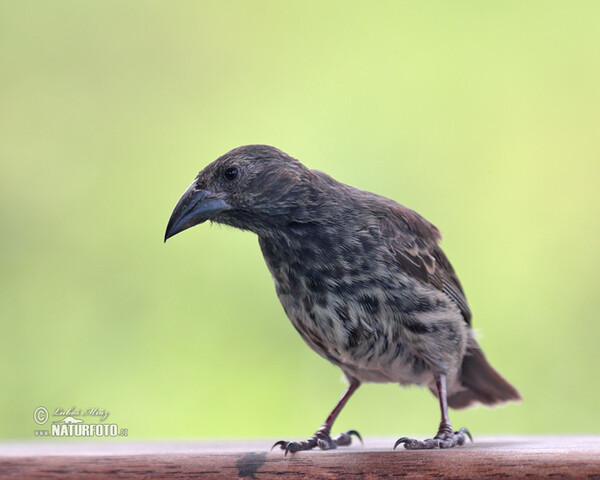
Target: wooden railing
x,y
488,458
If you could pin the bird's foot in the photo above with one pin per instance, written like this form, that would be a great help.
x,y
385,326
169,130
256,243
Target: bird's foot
x,y
445,438
321,439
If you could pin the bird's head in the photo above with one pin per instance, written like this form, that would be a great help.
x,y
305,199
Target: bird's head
x,y
254,187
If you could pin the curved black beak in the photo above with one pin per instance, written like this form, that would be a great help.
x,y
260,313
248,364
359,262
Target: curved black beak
x,y
194,207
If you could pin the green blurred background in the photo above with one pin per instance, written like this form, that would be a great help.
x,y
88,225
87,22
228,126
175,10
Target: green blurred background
x,y
482,116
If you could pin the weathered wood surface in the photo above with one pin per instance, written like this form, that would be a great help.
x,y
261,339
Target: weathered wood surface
x,y
488,458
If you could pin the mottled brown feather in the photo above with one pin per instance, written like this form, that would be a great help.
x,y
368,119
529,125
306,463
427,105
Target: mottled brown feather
x,y
414,244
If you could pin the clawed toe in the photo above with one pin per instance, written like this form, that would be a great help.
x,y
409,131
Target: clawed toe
x,y
441,440
321,440
281,444
295,446
345,439
463,431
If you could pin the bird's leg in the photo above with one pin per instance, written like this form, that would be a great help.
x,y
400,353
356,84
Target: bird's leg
x,y
322,437
445,437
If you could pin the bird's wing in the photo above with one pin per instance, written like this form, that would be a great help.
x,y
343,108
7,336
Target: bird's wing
x,y
413,242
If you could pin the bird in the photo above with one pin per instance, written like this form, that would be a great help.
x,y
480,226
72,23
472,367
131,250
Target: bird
x,y
362,279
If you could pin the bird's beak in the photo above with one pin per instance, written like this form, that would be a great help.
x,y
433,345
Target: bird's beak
x,y
195,206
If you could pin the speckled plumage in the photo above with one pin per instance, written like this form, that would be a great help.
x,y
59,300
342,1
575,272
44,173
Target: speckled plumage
x,y
354,304
361,277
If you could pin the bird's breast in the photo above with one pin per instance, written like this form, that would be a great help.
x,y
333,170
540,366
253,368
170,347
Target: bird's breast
x,y
352,307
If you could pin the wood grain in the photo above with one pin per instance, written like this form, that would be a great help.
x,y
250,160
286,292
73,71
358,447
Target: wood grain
x,y
488,458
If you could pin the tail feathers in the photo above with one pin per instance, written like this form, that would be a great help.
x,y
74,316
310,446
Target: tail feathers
x,y
479,382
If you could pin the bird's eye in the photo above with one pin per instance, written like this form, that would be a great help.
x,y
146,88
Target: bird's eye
x,y
231,173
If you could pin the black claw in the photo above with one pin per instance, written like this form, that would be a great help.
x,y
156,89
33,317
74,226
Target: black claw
x,y
281,443
356,434
465,431
401,440
289,448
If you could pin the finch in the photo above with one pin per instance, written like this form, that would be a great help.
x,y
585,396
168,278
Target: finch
x,y
362,279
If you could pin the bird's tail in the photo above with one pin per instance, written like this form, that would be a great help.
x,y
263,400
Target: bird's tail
x,y
479,382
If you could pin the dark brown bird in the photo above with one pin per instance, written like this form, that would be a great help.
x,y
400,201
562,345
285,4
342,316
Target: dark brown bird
x,y
361,277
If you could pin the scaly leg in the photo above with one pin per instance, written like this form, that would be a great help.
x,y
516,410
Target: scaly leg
x,y
322,437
